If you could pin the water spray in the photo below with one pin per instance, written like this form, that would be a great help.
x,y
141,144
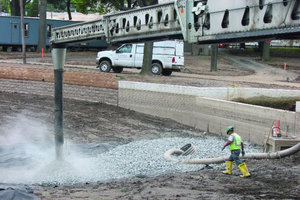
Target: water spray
x,y
59,56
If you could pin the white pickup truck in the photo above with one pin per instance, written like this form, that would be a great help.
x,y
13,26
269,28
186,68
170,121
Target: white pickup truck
x,y
167,57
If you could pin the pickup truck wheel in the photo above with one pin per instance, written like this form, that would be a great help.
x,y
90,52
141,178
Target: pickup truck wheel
x,y
117,69
166,72
156,68
104,66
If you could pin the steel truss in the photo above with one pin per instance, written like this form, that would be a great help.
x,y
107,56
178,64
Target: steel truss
x,y
197,21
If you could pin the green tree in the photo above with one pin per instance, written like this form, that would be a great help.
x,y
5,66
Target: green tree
x,y
15,7
148,47
4,6
147,58
69,9
62,5
32,8
104,6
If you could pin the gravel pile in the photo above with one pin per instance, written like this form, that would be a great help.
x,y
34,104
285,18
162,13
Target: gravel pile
x,y
102,162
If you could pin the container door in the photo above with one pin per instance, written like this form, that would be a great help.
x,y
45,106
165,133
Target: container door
x,y
15,33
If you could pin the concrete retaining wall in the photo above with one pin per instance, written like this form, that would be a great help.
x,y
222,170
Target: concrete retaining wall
x,y
188,105
211,92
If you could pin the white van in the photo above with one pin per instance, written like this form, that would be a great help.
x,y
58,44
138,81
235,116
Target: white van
x,y
167,57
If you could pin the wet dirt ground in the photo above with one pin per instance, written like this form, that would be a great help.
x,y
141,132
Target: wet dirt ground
x,y
87,121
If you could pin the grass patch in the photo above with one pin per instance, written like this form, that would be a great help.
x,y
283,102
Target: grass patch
x,y
285,49
205,57
291,52
120,77
278,103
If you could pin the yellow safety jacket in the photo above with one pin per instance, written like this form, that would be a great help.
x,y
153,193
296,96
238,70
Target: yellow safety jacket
x,y
236,143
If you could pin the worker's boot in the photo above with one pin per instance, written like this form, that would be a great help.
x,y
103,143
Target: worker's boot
x,y
228,167
244,170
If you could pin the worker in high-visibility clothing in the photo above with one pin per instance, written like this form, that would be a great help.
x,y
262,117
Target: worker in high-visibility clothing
x,y
235,143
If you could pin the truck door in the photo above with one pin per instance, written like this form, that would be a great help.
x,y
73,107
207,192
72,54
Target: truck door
x,y
15,33
124,56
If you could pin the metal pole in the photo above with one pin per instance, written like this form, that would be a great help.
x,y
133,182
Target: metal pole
x,y
58,56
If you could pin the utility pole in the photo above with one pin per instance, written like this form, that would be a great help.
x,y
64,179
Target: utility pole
x,y
23,32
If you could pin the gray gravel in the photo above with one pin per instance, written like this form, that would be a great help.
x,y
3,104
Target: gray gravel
x,y
87,164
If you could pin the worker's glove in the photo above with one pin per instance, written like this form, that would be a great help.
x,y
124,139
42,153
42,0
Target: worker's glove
x,y
243,153
223,148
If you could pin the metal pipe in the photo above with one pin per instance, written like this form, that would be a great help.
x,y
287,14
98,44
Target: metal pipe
x,y
58,56
206,161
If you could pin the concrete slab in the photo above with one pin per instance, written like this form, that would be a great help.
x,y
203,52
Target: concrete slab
x,y
280,143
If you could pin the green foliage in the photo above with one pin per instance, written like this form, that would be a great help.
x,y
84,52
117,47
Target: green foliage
x,y
100,6
32,8
84,6
285,51
5,6
105,6
287,103
59,5
121,77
